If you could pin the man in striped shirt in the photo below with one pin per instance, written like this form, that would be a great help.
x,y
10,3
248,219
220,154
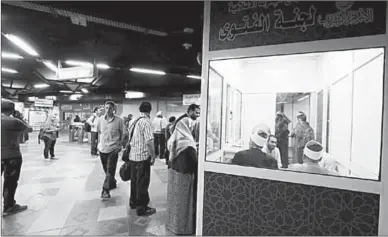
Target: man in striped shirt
x,y
142,156
111,130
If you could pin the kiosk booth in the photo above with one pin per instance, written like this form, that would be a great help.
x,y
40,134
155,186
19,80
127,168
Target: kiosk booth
x,y
326,60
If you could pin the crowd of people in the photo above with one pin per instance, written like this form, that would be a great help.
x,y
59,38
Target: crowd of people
x,y
144,139
267,150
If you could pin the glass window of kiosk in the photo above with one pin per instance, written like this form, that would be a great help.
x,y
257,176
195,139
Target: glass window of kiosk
x,y
317,113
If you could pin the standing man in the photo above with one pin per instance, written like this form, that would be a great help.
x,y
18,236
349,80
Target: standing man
x,y
159,124
271,149
93,122
111,129
11,157
142,156
303,133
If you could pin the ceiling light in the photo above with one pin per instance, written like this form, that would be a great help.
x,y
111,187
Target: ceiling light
x,y
102,66
78,63
41,85
51,66
84,90
3,69
10,55
31,98
21,44
66,92
134,94
75,96
141,70
194,77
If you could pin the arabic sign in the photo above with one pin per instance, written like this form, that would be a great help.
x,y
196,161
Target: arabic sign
x,y
256,23
74,73
189,99
87,107
43,103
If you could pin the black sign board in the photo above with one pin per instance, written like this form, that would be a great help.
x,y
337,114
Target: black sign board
x,y
256,23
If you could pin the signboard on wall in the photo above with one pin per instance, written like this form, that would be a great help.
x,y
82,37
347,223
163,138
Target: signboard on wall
x,y
240,24
43,103
87,107
189,99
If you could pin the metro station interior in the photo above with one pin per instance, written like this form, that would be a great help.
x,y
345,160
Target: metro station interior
x,y
191,118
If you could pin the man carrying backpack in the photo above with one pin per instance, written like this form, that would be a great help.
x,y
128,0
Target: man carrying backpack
x,y
91,126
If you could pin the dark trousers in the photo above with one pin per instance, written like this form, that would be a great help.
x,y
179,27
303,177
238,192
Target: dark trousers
x,y
11,169
283,148
94,142
109,164
299,155
48,147
140,182
160,144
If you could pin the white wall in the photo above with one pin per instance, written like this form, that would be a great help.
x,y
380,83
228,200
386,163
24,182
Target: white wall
x,y
355,108
257,108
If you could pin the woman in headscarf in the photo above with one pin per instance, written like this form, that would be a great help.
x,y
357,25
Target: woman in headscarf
x,y
50,129
182,180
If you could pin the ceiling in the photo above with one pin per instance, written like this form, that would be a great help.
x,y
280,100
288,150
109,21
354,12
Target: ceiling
x,y
120,34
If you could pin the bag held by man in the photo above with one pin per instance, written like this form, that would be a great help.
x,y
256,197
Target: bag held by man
x,y
125,169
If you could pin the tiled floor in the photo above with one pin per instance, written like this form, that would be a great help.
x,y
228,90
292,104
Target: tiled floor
x,y
63,196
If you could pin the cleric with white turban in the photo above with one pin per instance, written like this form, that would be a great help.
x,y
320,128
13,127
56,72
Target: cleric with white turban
x,y
254,156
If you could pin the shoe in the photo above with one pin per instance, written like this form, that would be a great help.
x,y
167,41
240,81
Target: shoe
x,y
14,209
105,194
147,211
53,158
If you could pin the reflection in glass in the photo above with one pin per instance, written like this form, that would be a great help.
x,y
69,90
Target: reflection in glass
x,y
313,111
214,114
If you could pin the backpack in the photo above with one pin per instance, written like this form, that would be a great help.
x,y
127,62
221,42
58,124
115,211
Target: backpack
x,y
88,128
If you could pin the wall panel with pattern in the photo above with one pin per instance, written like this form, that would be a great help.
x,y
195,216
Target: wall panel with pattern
x,y
235,205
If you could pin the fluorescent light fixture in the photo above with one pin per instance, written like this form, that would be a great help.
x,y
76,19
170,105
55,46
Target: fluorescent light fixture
x,y
21,44
3,69
283,102
303,98
78,63
51,66
149,71
134,94
75,96
32,98
41,85
66,92
194,77
84,90
10,55
102,66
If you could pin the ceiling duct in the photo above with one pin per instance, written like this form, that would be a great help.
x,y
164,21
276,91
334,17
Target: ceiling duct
x,y
72,15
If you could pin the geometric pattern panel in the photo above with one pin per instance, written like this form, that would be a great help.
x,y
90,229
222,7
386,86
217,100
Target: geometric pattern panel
x,y
236,205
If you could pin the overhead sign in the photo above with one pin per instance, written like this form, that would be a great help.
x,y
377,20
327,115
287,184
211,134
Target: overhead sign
x,y
239,24
43,103
191,99
74,73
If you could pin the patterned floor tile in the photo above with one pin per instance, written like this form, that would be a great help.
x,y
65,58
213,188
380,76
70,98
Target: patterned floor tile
x,y
111,213
63,196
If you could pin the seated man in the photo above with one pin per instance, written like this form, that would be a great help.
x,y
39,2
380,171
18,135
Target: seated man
x,y
312,155
254,156
271,149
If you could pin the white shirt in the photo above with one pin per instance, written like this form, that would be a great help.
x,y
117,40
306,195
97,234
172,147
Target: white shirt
x,y
275,154
93,121
159,124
